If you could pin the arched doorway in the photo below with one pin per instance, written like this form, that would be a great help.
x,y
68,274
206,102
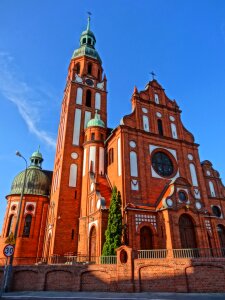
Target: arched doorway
x,y
187,232
146,240
92,244
221,233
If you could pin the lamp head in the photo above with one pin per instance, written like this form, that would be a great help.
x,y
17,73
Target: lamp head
x,y
18,153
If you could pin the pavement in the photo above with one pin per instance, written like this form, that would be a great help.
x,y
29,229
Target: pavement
x,y
111,296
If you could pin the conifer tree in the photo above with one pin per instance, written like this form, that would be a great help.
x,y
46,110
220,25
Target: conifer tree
x,y
114,228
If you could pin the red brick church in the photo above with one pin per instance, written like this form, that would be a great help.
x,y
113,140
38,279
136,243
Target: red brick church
x,y
170,199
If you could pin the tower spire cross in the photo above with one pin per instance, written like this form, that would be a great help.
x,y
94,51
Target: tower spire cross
x,y
153,75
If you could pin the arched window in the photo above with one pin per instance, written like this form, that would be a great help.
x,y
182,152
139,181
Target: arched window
x,y
187,232
110,156
133,164
89,41
27,226
156,96
145,123
193,175
78,68
88,98
79,96
89,70
174,130
221,233
212,190
146,239
73,175
97,101
84,40
10,224
160,127
92,244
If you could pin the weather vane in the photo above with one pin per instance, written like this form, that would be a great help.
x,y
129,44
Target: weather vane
x,y
153,75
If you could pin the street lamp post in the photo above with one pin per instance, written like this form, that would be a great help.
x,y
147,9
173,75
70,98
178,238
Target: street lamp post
x,y
8,271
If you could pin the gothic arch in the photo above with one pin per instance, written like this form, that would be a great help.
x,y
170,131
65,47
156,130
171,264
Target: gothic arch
x,y
92,243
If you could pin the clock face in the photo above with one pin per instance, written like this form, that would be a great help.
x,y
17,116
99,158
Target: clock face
x,y
89,82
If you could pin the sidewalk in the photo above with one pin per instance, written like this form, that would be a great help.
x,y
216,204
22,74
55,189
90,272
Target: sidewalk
x,y
105,295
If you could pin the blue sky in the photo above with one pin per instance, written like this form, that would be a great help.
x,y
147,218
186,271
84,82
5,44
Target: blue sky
x,y
183,42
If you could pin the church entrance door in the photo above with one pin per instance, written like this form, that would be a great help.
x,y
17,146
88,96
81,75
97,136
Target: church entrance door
x,y
187,232
146,241
92,244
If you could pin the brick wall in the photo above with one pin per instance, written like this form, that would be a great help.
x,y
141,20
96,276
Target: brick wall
x,y
134,275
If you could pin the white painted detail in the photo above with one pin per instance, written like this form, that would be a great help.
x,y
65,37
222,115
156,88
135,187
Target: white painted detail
x,y
28,211
91,224
87,118
101,160
190,156
79,95
156,98
74,155
158,114
193,175
145,111
169,202
92,158
119,156
145,123
198,205
97,101
73,175
145,218
132,144
78,78
134,185
174,130
172,151
92,186
100,85
197,194
208,173
212,190
76,128
84,162
133,164
172,118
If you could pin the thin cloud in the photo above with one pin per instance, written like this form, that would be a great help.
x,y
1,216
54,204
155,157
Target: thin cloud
x,y
26,99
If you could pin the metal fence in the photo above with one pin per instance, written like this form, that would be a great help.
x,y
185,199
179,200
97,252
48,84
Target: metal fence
x,y
152,254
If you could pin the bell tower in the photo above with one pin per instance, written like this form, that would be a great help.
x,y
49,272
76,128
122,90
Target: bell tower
x,y
85,93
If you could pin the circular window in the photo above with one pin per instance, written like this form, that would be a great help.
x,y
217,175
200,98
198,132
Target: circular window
x,y
216,211
13,207
30,207
182,196
162,164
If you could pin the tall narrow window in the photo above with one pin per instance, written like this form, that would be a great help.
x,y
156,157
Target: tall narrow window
x,y
89,68
78,68
145,123
89,41
97,101
156,98
88,98
73,175
27,226
193,175
160,127
79,96
212,190
10,224
92,136
133,164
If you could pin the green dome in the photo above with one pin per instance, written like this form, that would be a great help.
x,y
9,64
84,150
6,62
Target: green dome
x,y
96,121
37,182
37,154
87,44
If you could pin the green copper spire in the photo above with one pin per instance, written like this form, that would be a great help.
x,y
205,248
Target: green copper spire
x,y
96,121
87,44
36,159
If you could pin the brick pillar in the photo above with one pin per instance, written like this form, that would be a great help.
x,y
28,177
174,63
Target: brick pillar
x,y
125,269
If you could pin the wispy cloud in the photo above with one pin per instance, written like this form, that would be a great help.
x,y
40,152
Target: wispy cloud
x,y
26,99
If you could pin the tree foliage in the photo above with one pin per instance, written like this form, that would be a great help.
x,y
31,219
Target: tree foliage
x,y
114,228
